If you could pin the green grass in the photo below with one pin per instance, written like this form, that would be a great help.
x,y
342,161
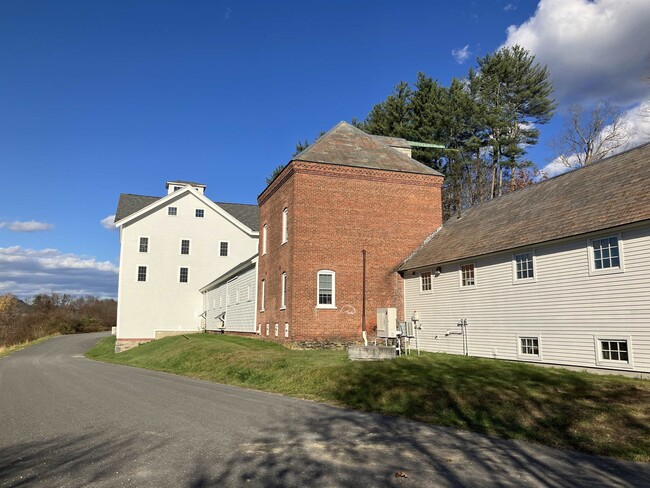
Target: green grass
x,y
606,415
4,351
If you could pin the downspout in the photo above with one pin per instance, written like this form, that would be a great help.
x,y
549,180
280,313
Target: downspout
x,y
364,332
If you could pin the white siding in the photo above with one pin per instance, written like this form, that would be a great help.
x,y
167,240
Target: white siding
x,y
565,306
240,316
162,303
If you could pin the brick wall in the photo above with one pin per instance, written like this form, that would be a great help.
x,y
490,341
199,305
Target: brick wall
x,y
334,213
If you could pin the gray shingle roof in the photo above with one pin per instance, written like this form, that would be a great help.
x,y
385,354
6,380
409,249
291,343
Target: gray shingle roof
x,y
249,215
348,146
610,193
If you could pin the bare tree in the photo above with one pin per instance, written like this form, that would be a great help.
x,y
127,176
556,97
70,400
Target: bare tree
x,y
588,138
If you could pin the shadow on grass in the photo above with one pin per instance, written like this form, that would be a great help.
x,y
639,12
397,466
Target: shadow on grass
x,y
559,408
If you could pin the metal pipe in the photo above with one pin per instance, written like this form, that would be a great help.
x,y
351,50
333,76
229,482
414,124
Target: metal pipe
x,y
364,332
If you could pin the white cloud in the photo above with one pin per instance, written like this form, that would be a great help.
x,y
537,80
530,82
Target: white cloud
x,y
26,272
636,122
594,49
29,226
509,6
109,222
461,54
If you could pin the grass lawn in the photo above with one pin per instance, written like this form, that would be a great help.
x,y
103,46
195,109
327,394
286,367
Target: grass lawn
x,y
606,415
17,347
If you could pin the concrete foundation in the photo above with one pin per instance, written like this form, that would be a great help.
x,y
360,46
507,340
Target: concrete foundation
x,y
370,353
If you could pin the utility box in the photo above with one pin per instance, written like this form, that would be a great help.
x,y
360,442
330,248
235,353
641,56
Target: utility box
x,y
387,323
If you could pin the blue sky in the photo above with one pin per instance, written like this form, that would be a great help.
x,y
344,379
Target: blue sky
x,y
100,98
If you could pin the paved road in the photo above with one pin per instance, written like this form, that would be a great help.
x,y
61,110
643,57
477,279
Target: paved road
x,y
68,421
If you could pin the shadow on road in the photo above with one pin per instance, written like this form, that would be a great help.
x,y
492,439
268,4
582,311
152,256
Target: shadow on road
x,y
350,449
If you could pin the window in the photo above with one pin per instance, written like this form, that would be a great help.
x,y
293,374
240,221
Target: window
x,y
142,273
263,298
284,291
199,212
614,350
172,210
185,246
467,275
529,346
264,239
176,188
606,253
425,281
524,267
184,275
223,248
326,293
285,220
144,244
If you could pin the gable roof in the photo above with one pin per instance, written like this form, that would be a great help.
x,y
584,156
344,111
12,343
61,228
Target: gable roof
x,y
346,145
128,204
610,193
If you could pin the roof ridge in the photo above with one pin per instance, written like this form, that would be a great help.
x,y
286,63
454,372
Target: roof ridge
x,y
231,203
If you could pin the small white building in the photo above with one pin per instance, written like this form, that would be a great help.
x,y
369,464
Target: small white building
x,y
230,301
556,273
170,247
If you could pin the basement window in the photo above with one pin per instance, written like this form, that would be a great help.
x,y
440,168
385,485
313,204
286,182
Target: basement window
x,y
529,346
611,350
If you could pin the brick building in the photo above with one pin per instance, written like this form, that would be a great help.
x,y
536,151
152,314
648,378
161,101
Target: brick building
x,y
347,192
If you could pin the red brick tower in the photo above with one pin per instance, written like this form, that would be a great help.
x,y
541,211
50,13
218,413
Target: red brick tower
x,y
347,192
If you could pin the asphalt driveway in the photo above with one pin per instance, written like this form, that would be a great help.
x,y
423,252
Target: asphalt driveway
x,y
68,421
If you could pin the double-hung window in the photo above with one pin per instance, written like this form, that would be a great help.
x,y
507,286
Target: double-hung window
x,y
185,246
467,277
263,296
142,273
184,276
606,253
285,225
264,239
284,291
524,266
144,244
223,248
425,281
326,293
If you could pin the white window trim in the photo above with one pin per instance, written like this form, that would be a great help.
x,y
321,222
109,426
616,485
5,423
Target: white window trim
x,y
422,290
518,281
590,253
148,244
219,250
529,357
263,297
179,275
460,276
283,304
610,363
285,225
264,239
196,216
172,215
180,247
137,269
333,273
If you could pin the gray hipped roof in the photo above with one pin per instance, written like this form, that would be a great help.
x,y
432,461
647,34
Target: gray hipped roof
x,y
603,195
249,215
346,145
